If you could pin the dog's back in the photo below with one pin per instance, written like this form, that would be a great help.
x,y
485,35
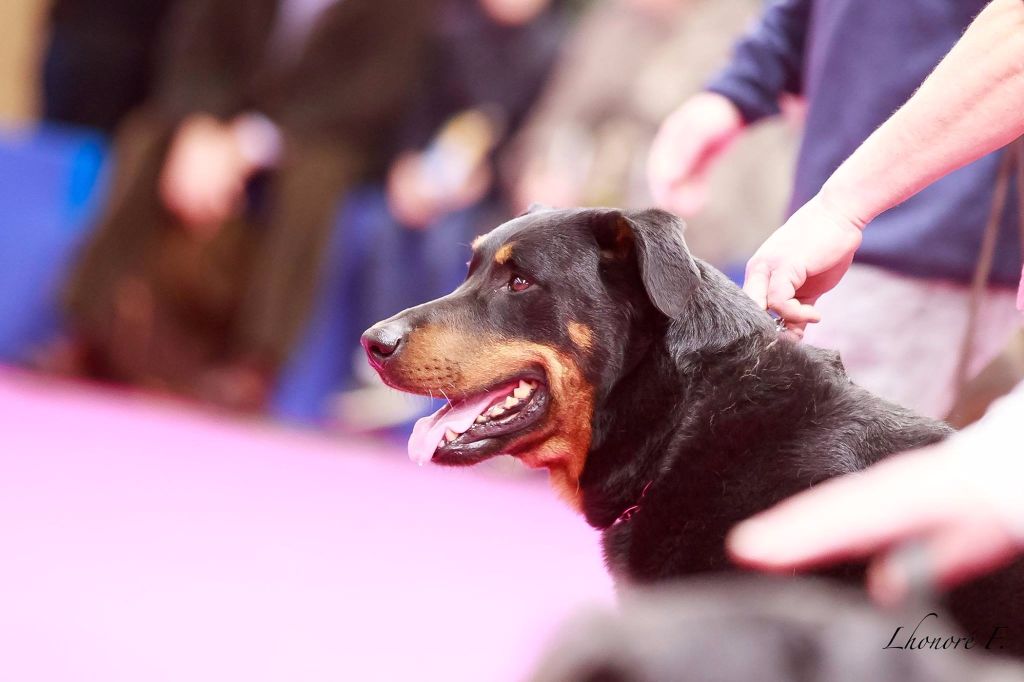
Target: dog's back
x,y
755,422
750,424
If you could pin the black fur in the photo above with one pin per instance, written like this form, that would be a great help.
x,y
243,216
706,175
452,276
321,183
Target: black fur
x,y
703,413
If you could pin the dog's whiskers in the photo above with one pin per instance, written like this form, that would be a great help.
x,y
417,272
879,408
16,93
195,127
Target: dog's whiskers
x,y
452,388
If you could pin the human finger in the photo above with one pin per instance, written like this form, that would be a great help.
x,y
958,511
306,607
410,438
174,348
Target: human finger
x,y
962,549
832,522
755,283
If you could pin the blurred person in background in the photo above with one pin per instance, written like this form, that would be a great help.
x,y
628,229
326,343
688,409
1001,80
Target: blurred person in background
x,y
100,59
200,275
487,62
904,304
626,66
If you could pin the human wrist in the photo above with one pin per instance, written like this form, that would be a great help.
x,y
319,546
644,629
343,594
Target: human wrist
x,y
749,102
841,203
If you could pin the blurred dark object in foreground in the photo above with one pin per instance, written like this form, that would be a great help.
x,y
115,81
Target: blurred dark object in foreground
x,y
743,629
100,61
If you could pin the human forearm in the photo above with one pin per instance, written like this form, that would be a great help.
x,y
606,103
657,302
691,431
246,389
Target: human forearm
x,y
971,105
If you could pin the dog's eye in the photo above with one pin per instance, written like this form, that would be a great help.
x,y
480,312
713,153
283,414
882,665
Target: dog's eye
x,y
517,284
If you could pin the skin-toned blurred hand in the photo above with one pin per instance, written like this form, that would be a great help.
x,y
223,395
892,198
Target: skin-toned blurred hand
x,y
514,12
685,149
417,199
205,174
936,496
547,187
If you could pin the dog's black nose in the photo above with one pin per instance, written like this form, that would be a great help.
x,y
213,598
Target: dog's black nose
x,y
382,341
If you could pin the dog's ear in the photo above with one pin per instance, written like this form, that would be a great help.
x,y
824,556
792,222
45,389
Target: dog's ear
x,y
654,238
535,208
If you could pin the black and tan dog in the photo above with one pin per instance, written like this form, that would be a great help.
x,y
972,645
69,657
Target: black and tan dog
x,y
665,404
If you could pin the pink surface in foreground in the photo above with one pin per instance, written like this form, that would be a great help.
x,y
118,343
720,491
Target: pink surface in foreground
x,y
145,541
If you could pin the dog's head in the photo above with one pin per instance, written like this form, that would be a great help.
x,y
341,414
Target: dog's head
x,y
554,308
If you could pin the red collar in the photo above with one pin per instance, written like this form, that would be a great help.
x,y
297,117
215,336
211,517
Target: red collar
x,y
628,514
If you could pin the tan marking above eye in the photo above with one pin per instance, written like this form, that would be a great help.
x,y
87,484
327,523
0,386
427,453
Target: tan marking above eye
x,y
503,254
581,335
623,234
623,242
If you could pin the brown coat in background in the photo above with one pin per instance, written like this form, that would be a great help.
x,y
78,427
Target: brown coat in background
x,y
629,64
150,303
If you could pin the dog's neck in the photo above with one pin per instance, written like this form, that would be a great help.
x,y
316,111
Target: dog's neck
x,y
637,425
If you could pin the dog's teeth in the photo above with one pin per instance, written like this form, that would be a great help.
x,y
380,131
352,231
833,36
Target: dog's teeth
x,y
510,402
497,411
450,435
522,391
481,419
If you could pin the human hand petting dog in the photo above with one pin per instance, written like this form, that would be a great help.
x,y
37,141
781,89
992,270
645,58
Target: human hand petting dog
x,y
957,503
802,260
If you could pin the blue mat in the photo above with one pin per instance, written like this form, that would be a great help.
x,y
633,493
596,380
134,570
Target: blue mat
x,y
51,182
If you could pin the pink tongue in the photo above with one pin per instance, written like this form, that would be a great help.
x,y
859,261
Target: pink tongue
x,y
428,431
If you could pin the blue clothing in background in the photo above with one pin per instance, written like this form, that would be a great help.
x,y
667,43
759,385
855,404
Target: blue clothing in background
x,y
856,62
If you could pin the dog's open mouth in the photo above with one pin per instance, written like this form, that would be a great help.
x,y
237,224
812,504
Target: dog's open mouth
x,y
479,426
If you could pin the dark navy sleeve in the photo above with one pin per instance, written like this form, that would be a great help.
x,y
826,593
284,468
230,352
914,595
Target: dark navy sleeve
x,y
768,61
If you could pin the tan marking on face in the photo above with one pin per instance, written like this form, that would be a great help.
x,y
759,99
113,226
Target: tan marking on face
x,y
477,242
440,357
581,335
622,243
623,234
503,254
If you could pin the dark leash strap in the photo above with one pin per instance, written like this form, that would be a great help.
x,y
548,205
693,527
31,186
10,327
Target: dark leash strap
x,y
1013,160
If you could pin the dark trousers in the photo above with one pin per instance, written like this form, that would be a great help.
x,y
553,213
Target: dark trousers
x,y
156,305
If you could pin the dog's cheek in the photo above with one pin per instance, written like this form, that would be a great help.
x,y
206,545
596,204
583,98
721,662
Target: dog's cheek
x,y
564,440
564,451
